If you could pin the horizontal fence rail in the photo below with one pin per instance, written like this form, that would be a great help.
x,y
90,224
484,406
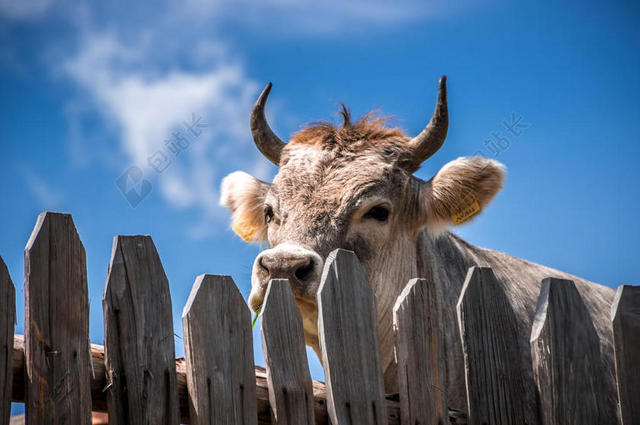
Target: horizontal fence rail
x,y
99,382
136,378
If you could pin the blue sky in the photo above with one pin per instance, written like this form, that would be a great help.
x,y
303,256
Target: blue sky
x,y
91,89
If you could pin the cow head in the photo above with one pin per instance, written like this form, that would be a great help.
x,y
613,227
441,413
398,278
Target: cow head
x,y
351,187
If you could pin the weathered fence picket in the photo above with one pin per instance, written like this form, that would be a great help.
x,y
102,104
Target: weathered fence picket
x,y
625,318
347,325
290,388
56,324
61,377
494,377
7,323
565,352
219,354
139,347
419,349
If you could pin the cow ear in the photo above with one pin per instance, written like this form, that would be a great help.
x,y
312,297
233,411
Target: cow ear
x,y
460,191
244,195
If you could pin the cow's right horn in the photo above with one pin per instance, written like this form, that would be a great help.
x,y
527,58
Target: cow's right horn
x,y
427,143
269,144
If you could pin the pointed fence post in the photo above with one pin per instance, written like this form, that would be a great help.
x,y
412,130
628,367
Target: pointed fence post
x,y
567,366
219,353
56,324
139,347
290,388
419,352
495,383
7,323
349,341
625,318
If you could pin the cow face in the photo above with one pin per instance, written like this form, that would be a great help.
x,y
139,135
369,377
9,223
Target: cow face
x,y
350,187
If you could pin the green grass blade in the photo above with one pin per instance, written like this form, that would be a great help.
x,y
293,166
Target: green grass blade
x,y
255,319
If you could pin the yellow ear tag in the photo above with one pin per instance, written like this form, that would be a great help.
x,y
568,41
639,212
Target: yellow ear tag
x,y
246,229
465,210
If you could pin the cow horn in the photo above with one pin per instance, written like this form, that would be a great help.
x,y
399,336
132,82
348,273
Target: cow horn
x,y
269,144
427,143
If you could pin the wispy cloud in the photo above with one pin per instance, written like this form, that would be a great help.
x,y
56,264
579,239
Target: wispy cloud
x,y
47,197
147,106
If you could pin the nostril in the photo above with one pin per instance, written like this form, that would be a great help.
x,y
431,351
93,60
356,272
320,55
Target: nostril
x,y
302,273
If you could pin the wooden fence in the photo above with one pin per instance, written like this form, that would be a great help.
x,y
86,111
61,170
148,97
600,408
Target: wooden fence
x,y
136,378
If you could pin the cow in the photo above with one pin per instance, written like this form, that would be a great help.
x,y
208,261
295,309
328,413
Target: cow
x,y
352,187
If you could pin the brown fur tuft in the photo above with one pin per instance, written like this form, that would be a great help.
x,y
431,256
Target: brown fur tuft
x,y
368,129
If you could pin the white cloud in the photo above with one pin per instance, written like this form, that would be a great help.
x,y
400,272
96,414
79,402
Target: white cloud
x,y
150,108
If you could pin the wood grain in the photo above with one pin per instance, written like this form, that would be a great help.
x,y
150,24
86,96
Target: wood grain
x,y
99,383
290,388
349,342
219,354
56,324
7,324
139,347
566,359
419,342
495,387
625,318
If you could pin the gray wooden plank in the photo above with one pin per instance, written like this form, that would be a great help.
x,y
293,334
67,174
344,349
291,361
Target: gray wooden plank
x,y
419,353
139,347
56,324
218,347
625,318
290,388
347,326
565,352
495,385
7,323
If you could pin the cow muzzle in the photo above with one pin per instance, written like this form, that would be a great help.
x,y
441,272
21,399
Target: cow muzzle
x,y
301,266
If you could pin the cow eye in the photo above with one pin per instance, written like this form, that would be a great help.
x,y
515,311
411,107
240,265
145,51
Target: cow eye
x,y
379,213
268,214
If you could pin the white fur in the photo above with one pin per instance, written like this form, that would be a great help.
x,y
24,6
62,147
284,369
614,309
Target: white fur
x,y
236,185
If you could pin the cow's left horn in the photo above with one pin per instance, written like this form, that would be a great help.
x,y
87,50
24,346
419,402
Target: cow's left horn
x,y
427,143
269,144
